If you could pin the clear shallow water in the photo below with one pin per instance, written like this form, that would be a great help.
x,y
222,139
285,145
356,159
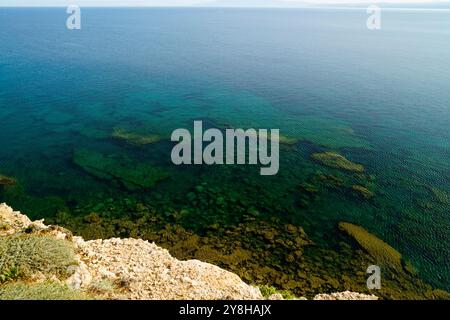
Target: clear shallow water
x,y
379,98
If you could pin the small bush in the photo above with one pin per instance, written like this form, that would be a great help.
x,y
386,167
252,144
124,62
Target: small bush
x,y
39,291
30,254
9,275
102,287
267,291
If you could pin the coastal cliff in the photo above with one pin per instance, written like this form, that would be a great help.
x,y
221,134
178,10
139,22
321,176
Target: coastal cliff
x,y
47,262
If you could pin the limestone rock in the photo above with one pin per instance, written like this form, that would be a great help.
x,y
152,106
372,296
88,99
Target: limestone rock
x,y
345,295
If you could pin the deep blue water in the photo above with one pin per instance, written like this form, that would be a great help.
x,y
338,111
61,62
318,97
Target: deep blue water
x,y
381,98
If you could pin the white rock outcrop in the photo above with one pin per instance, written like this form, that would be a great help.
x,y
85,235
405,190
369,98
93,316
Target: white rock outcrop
x,y
345,295
147,271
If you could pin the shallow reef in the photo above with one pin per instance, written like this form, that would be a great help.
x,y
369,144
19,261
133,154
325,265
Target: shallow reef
x,y
132,175
135,138
382,252
335,160
440,195
282,139
363,191
7,181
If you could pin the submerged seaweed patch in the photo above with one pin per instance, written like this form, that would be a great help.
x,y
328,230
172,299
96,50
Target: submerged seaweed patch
x,y
7,181
440,195
132,175
335,160
134,137
363,191
383,253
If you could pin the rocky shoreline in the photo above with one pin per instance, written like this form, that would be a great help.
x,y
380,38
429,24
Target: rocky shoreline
x,y
122,269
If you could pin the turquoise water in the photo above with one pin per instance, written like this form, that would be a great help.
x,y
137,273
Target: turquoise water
x,y
379,98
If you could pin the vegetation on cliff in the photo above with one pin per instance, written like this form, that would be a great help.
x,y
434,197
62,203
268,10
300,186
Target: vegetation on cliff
x,y
46,262
25,255
47,290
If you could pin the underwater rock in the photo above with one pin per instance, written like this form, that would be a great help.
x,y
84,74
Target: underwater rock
x,y
426,205
287,140
440,195
382,252
335,160
132,175
309,188
7,181
96,133
135,138
363,191
281,138
329,180
314,187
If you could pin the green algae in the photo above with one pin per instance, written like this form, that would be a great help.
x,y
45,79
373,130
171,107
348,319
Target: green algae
x,y
282,139
287,140
335,160
7,181
440,196
135,138
93,132
132,175
363,191
382,252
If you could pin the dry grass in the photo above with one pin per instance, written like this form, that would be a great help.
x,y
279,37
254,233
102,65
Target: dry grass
x,y
40,291
31,254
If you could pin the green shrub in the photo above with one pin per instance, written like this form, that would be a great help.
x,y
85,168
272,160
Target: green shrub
x,y
30,254
267,291
39,291
101,287
9,275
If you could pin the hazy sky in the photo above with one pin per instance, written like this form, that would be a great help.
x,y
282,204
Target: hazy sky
x,y
265,3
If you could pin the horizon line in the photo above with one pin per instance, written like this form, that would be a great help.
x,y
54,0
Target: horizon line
x,y
347,6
